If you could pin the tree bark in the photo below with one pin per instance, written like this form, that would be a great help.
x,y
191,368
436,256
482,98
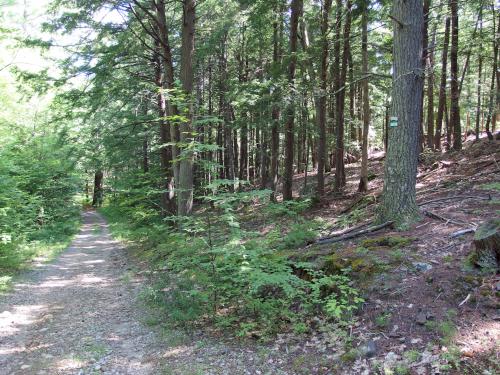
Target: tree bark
x,y
455,93
185,196
168,134
340,178
495,76
296,12
479,75
363,182
275,111
399,195
430,88
442,86
425,44
98,191
323,76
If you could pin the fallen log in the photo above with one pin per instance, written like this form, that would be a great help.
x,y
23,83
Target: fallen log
x,y
462,232
326,240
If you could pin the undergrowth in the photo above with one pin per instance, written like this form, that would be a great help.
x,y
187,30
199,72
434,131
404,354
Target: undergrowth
x,y
209,269
46,242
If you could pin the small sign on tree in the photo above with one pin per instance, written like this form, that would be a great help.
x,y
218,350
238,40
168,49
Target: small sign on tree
x,y
394,122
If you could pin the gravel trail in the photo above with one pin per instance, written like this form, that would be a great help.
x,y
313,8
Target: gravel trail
x,y
78,314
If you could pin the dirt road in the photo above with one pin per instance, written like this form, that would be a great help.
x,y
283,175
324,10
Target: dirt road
x,y
77,315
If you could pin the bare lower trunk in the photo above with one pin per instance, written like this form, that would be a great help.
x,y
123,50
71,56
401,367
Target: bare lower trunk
x,y
494,101
98,190
340,178
430,89
455,93
185,196
296,12
321,113
479,76
442,86
399,195
363,182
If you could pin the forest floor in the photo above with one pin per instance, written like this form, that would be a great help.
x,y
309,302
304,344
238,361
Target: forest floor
x,y
426,308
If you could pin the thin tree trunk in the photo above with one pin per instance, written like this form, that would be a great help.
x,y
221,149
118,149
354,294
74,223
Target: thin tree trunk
x,y
168,133
185,196
386,126
425,45
495,76
275,111
296,12
145,153
442,86
455,93
98,191
479,75
335,76
323,76
399,194
340,179
430,89
363,183
352,95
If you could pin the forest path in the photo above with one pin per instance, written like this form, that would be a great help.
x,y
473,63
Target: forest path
x,y
78,314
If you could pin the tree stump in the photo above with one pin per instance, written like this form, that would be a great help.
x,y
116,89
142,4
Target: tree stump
x,y
487,245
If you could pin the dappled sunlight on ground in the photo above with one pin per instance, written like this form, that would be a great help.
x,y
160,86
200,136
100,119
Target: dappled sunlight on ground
x,y
68,314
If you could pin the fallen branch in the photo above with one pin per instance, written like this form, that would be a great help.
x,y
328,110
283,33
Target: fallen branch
x,y
462,232
352,205
375,228
465,300
433,215
454,197
348,230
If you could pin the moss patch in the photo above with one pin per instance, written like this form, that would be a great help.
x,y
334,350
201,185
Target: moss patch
x,y
364,266
387,241
491,186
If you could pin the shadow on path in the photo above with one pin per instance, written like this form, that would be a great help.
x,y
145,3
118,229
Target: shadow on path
x,y
77,315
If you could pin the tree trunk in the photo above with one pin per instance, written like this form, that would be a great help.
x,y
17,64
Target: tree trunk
x,y
487,245
340,178
275,111
145,153
243,149
264,161
323,76
455,93
98,191
352,95
430,88
442,86
168,133
185,196
479,75
363,182
167,203
296,12
399,196
495,76
386,126
425,45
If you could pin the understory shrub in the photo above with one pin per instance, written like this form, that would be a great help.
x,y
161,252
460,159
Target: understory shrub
x,y
209,268
38,210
